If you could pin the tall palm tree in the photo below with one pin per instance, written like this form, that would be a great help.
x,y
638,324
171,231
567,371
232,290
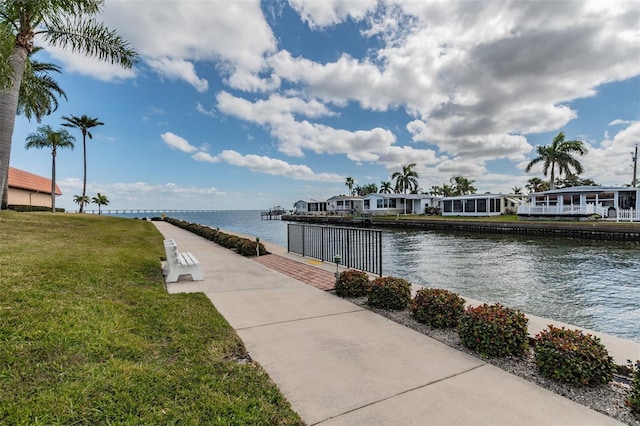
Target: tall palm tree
x,y
349,182
385,187
83,123
60,23
45,137
100,200
38,91
407,179
560,154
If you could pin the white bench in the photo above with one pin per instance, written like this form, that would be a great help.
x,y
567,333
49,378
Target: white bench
x,y
180,263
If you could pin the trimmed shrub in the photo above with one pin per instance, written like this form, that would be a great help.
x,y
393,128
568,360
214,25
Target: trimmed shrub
x,y
389,293
569,356
494,330
352,283
634,399
437,307
243,246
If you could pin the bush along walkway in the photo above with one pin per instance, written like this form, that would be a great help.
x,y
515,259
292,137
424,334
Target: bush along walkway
x,y
568,362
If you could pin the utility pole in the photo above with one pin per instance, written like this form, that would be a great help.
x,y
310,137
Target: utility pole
x,y
634,182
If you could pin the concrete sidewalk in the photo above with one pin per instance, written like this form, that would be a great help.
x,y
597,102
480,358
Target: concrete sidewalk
x,y
339,364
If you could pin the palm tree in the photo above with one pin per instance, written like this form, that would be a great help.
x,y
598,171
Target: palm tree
x,y
516,190
100,200
39,92
385,187
80,200
559,153
350,182
536,184
407,179
45,137
61,23
83,123
462,186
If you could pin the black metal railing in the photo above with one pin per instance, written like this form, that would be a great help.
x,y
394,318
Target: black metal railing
x,y
358,248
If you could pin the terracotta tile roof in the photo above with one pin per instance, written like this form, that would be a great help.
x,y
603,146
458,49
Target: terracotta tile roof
x,y
25,180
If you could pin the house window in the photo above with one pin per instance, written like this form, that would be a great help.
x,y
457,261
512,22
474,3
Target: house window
x,y
366,204
553,200
470,206
482,205
380,203
447,206
606,198
575,199
392,203
457,206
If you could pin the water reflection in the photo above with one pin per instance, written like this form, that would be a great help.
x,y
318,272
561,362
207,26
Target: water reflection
x,y
589,284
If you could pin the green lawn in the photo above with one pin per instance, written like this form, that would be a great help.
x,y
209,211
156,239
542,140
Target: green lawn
x,y
88,334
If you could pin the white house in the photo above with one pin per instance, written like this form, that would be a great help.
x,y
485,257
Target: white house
x,y
312,207
580,202
391,204
344,204
481,204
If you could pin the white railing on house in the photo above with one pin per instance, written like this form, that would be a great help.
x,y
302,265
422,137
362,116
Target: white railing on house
x,y
625,215
588,209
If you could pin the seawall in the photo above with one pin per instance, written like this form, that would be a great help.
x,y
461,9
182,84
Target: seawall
x,y
591,231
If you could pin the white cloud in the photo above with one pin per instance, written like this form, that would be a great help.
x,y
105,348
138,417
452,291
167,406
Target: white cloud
x,y
618,122
178,69
272,166
176,142
318,14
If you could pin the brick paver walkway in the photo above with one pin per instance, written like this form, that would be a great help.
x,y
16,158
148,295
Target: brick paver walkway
x,y
319,278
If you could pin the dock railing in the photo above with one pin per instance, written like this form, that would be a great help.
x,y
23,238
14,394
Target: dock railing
x,y
359,248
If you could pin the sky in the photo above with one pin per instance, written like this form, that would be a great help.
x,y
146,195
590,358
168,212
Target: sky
x,y
243,104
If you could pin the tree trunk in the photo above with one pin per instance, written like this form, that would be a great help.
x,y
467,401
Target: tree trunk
x,y
53,181
8,108
84,182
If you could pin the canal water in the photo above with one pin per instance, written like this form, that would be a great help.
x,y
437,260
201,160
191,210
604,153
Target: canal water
x,y
591,284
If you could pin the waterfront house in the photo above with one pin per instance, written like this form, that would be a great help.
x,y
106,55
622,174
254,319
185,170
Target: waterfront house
x,y
390,204
344,204
310,207
582,202
28,189
481,204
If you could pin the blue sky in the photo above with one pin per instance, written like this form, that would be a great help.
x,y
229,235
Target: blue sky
x,y
248,105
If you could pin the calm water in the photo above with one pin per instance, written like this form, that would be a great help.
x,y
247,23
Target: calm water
x,y
590,284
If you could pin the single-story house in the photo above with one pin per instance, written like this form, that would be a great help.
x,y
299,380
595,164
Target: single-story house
x,y
312,207
378,204
481,204
344,204
28,189
580,202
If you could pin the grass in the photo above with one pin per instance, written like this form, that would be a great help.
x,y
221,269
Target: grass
x,y
88,334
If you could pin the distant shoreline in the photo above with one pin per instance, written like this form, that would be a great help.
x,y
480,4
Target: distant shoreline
x,y
583,230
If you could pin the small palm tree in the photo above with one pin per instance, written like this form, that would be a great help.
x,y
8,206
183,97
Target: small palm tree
x,y
407,179
83,123
45,137
516,190
385,187
39,92
80,200
560,154
100,200
536,184
350,182
462,186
